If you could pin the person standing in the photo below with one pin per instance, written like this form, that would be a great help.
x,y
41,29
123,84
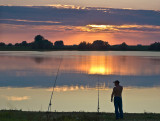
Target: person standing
x,y
117,94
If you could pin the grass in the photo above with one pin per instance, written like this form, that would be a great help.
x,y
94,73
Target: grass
x,y
14,115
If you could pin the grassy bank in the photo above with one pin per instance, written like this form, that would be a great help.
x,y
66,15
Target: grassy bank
x,y
10,115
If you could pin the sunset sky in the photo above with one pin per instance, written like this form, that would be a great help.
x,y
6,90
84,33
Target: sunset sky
x,y
73,21
134,4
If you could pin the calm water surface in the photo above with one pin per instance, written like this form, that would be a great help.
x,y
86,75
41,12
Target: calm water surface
x,y
26,80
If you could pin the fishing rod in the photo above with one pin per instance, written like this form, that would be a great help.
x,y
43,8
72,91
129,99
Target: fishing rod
x,y
98,107
50,102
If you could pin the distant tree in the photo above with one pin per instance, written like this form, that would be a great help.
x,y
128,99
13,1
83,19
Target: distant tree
x,y
38,38
155,46
10,44
100,45
30,44
123,46
47,44
41,43
24,43
139,45
2,44
59,44
84,45
17,44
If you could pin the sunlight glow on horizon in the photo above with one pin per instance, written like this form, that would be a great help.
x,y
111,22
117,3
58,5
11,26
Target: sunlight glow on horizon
x,y
98,26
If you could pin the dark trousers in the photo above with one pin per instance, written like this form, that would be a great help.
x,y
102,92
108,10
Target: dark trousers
x,y
118,107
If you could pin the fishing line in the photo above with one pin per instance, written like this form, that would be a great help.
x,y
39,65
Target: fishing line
x,y
50,102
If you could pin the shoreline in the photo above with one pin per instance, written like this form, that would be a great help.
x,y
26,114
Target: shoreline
x,y
18,115
41,50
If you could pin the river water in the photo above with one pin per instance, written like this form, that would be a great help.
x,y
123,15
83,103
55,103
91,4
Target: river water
x,y
26,80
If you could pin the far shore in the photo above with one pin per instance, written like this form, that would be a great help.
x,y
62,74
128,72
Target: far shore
x,y
70,49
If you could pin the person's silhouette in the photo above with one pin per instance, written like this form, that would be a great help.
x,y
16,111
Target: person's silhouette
x,y
117,93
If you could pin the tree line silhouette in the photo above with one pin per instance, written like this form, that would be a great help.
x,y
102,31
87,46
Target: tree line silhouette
x,y
40,43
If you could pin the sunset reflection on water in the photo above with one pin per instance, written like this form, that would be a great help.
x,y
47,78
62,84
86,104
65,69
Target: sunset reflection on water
x,y
104,65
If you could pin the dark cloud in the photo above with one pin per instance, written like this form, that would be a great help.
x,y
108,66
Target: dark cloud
x,y
76,17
